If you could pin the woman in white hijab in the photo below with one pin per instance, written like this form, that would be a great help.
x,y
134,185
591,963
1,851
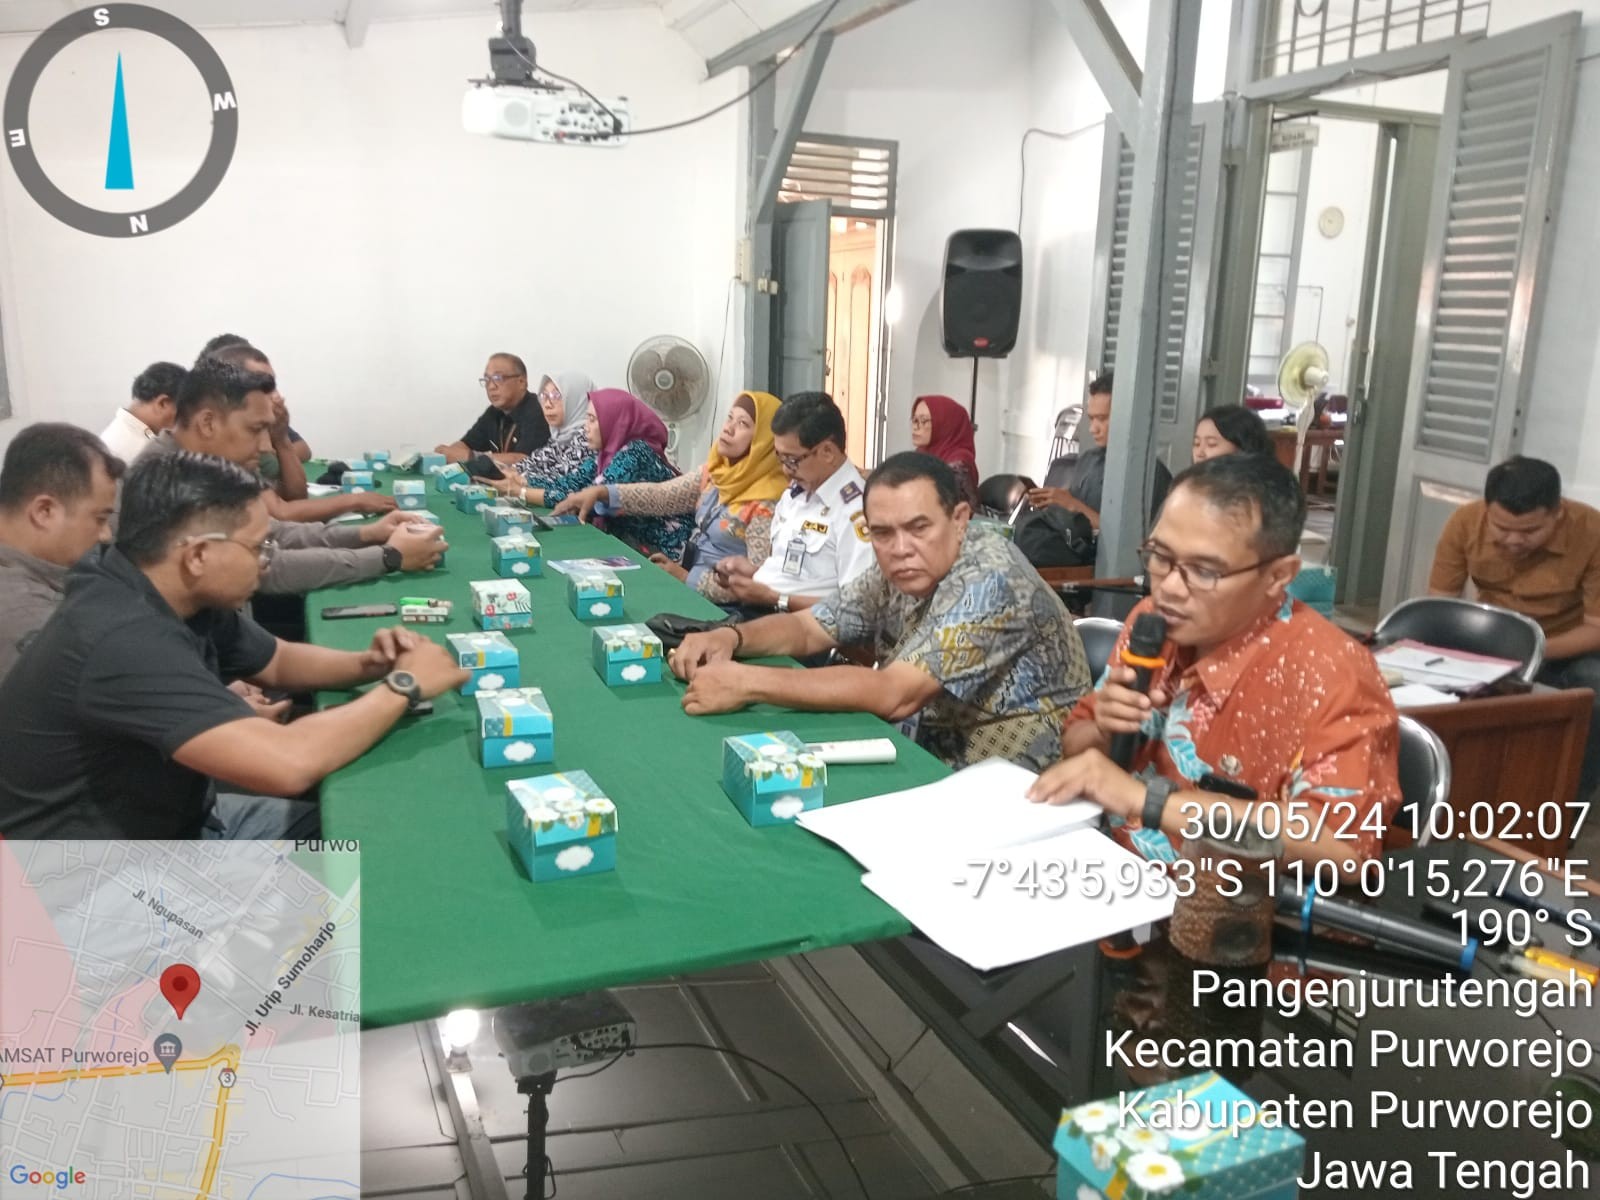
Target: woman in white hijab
x,y
564,397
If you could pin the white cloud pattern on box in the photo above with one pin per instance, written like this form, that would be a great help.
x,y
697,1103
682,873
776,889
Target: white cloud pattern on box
x,y
520,752
633,672
491,682
520,568
599,609
787,808
574,858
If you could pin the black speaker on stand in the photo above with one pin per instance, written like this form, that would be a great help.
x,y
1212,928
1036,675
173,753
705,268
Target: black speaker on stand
x,y
981,302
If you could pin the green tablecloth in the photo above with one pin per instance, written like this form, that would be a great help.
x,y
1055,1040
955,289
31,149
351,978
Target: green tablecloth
x,y
450,919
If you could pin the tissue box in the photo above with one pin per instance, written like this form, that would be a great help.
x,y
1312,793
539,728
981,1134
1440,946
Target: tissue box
x,y
771,777
358,464
515,728
502,519
561,825
424,610
1200,1141
474,497
515,555
595,595
355,481
490,657
501,604
627,654
448,476
410,494
379,459
430,464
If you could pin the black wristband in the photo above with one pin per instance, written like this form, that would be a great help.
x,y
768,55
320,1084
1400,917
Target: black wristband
x,y
1157,791
392,560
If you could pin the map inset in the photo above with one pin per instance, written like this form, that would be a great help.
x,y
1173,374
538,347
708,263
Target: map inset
x,y
180,1020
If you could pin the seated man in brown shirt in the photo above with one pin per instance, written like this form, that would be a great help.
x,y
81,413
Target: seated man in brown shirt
x,y
1526,548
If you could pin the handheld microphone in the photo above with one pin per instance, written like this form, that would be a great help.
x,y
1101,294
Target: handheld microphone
x,y
1143,654
1386,929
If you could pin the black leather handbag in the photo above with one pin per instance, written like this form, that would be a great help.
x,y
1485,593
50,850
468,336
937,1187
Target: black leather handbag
x,y
672,628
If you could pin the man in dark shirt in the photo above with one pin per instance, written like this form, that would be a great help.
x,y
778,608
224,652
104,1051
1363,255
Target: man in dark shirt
x,y
1078,484
512,425
117,718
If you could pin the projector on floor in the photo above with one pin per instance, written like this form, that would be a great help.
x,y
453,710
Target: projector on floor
x,y
536,114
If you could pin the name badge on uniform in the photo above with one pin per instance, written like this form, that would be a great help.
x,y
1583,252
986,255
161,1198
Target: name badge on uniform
x,y
815,527
794,557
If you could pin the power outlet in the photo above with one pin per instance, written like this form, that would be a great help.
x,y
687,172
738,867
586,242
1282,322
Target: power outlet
x,y
744,260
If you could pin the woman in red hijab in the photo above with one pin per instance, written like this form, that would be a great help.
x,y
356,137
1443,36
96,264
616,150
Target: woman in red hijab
x,y
941,427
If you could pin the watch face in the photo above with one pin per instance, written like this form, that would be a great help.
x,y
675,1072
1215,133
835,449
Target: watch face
x,y
404,680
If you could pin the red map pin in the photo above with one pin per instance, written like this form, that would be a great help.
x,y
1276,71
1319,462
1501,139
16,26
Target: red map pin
x,y
180,984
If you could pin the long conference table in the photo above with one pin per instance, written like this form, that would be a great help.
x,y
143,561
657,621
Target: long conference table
x,y
451,920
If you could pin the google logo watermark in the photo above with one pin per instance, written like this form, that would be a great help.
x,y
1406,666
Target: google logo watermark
x,y
56,1179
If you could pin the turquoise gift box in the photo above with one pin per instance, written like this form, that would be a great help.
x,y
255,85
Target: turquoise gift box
x,y
355,481
430,464
561,825
379,459
502,519
515,555
515,728
1196,1138
627,654
358,464
594,595
490,657
410,494
473,497
501,604
772,777
448,476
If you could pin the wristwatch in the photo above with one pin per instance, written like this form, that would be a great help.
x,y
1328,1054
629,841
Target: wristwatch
x,y
783,602
393,560
1156,793
404,683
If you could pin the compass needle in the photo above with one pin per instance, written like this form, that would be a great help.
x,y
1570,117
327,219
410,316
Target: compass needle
x,y
119,156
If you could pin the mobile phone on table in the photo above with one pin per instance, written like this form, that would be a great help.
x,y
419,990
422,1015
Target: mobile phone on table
x,y
340,612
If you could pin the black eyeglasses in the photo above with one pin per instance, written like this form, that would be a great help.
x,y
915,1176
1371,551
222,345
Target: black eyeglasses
x,y
486,380
790,462
1158,564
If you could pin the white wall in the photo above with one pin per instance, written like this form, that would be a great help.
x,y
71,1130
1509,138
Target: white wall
x,y
1329,286
376,250
953,92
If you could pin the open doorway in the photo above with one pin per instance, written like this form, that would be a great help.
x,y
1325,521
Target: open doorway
x,y
855,330
852,182
1340,267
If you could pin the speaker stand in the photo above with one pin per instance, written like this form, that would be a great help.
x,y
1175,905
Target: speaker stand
x,y
972,404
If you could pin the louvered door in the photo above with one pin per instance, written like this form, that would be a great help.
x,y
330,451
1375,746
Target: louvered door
x,y
1500,149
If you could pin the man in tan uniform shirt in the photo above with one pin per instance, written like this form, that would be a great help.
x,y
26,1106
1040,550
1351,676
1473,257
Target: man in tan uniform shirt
x,y
1526,548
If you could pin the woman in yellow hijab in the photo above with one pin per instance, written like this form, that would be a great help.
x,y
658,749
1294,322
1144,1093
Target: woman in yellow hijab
x,y
731,497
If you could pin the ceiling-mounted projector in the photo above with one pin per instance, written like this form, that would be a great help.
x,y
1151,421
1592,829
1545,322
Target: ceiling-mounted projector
x,y
512,103
537,114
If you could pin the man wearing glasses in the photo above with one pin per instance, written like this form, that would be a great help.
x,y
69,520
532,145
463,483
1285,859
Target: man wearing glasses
x,y
226,410
1258,697
512,425
819,535
117,718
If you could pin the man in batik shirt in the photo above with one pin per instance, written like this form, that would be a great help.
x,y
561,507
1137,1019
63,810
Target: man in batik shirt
x,y
1259,693
976,657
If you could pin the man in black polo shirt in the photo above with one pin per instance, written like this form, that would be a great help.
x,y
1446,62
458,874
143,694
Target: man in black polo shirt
x,y
117,718
512,425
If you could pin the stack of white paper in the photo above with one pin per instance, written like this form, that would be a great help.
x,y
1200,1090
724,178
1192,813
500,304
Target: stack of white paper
x,y
989,876
1447,670
1420,695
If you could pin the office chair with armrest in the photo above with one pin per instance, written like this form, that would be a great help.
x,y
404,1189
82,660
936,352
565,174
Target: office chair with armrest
x,y
1424,778
1099,636
1469,626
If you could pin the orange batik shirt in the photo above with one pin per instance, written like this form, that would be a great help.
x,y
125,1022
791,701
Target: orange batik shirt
x,y
1294,708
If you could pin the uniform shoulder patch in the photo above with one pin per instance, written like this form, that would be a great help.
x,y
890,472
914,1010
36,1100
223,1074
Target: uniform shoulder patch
x,y
849,492
858,521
